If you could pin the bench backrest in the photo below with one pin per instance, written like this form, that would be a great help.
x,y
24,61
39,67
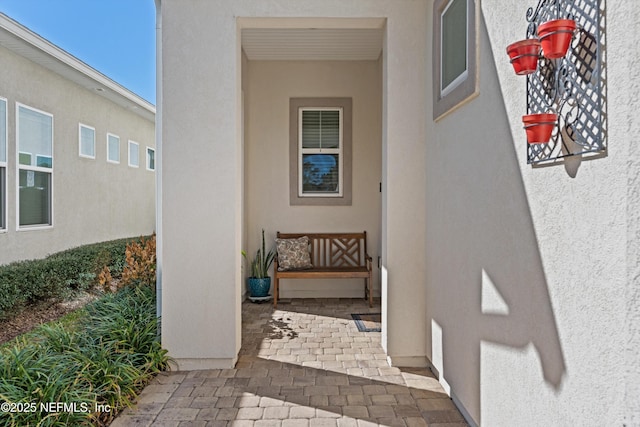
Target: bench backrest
x,y
334,249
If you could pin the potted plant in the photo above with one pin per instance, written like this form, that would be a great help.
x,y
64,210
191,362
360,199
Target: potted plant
x,y
555,37
539,127
524,56
259,282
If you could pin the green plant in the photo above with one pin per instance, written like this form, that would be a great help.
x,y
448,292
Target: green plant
x,y
102,359
59,275
262,262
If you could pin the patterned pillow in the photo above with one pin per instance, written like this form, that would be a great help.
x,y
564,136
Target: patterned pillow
x,y
293,254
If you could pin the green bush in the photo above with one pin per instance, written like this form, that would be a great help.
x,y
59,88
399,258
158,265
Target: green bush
x,y
59,275
107,359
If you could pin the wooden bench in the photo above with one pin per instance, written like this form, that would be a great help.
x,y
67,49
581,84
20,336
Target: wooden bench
x,y
334,256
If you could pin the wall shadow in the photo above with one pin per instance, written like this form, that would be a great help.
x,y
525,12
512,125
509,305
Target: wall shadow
x,y
481,242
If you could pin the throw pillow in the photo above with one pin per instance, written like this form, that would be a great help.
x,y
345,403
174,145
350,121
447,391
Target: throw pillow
x,y
293,254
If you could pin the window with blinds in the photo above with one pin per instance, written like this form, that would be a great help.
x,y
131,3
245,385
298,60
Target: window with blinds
x,y
320,152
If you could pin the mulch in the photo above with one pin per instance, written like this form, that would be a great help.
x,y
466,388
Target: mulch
x,y
36,315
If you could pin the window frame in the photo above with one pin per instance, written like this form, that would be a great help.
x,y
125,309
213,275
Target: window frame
x,y
464,87
20,167
80,153
295,152
130,143
4,166
109,160
148,158
339,151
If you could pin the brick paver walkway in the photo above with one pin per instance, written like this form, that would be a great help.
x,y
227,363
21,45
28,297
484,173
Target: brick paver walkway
x,y
305,364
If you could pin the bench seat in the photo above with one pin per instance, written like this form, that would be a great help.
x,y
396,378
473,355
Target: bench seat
x,y
326,272
334,256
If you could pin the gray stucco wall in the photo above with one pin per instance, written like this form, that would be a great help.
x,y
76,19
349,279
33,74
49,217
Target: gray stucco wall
x,y
520,285
93,200
559,346
270,86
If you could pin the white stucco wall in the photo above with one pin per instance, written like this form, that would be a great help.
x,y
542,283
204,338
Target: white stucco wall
x,y
558,346
202,191
93,200
629,14
270,86
520,285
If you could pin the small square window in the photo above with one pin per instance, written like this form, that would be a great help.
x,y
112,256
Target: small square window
x,y
134,154
87,141
151,159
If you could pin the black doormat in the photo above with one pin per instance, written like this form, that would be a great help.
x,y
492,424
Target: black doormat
x,y
368,322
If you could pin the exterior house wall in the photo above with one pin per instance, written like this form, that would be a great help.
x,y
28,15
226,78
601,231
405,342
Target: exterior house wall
x,y
202,168
93,200
518,285
270,86
532,272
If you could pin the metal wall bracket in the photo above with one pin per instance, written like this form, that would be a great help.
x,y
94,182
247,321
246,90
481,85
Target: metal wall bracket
x,y
574,86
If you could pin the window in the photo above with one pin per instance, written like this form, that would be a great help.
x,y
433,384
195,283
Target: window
x,y
134,154
320,151
113,148
151,159
87,141
455,54
3,164
35,167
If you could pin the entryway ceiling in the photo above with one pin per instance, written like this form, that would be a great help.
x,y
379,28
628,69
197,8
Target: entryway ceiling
x,y
304,44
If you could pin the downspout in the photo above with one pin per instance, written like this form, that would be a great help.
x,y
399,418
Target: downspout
x,y
158,161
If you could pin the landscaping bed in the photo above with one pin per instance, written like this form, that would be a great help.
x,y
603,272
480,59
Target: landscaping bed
x,y
84,368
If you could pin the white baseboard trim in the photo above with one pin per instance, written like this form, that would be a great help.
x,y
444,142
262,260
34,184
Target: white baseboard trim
x,y
452,395
463,410
408,361
189,364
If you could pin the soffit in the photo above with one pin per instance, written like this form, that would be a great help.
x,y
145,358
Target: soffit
x,y
31,46
302,44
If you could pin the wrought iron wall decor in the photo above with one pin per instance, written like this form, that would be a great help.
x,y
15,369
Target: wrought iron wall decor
x,y
572,86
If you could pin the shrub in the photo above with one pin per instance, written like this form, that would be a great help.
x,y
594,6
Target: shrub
x,y
59,275
140,262
106,360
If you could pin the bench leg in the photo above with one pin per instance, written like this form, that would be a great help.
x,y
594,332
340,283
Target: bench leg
x,y
370,291
276,282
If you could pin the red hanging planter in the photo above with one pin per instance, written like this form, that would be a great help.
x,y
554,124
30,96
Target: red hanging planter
x,y
524,56
539,127
555,37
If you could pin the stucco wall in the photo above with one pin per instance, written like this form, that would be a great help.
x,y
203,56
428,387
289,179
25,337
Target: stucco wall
x,y
531,272
92,200
629,15
202,180
270,86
